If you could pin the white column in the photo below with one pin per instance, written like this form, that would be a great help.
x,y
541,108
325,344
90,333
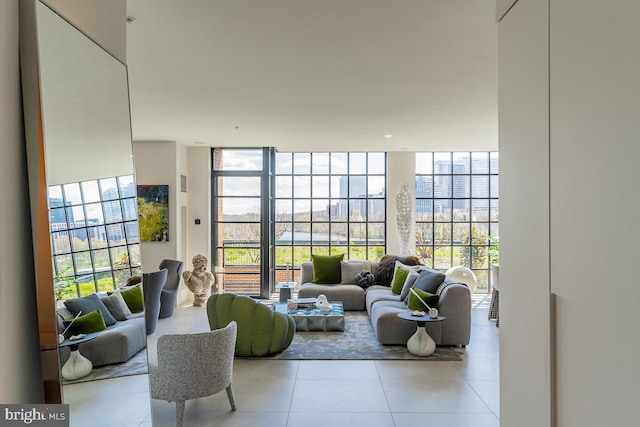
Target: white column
x,y
401,168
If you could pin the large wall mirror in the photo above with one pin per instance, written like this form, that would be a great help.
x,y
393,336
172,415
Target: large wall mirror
x,y
86,196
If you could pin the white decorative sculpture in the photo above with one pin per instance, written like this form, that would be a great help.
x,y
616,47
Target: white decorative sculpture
x,y
322,303
404,218
199,281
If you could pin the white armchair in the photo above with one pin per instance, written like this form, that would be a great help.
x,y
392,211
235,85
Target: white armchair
x,y
192,366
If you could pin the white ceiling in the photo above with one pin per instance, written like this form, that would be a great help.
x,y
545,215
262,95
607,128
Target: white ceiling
x,y
321,75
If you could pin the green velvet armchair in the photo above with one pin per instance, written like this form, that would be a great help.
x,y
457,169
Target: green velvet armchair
x,y
261,331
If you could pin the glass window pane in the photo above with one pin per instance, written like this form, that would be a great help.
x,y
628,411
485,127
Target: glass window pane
x,y
133,232
320,163
130,209
460,233
339,234
240,159
357,186
495,209
302,234
97,237
72,193
301,254
240,234
494,162
284,208
441,163
57,219
241,208
134,255
358,163
480,186
115,234
127,186
320,250
120,257
64,263
284,186
424,163
302,210
320,209
239,186
424,186
284,164
442,257
339,186
480,162
101,259
425,254
377,210
301,163
94,215
320,233
82,261
284,235
442,210
339,209
479,233
461,163
462,210
357,210
87,285
90,191
112,211
424,233
375,253
55,192
105,281
442,233
377,164
424,210
339,163
302,187
79,239
461,186
376,234
357,233
109,188
60,242
480,209
357,252
320,186
376,186
494,186
442,186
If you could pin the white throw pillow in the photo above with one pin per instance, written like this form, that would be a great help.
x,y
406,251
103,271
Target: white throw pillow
x,y
125,307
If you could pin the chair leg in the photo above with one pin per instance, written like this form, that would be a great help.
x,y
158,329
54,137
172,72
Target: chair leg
x,y
180,413
232,399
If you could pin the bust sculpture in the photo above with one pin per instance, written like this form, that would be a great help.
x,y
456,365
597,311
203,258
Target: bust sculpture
x,y
200,281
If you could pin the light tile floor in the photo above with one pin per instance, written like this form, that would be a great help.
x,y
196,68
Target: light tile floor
x,y
286,393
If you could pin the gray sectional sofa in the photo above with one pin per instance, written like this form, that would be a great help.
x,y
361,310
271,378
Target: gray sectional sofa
x,y
118,343
383,307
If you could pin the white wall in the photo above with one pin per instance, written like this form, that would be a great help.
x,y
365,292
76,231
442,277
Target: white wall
x,y
594,99
524,216
595,127
19,354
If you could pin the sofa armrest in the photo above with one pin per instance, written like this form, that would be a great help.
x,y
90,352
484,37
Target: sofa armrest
x,y
455,304
306,272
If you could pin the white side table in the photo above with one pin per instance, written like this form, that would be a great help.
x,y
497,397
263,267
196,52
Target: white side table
x,y
77,366
420,343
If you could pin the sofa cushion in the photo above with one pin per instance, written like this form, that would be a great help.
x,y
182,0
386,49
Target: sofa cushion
x,y
429,280
326,268
118,294
133,297
115,307
408,284
349,271
414,302
400,274
88,323
88,304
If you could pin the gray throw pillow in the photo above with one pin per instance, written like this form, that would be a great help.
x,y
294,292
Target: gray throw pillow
x,y
349,271
429,280
115,307
408,284
87,305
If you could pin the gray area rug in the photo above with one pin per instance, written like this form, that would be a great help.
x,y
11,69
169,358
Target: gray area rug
x,y
357,342
137,365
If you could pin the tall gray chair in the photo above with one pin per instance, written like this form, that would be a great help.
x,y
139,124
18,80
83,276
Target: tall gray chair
x,y
152,284
169,295
192,366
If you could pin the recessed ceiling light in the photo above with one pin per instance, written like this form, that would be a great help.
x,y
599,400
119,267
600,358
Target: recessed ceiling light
x,y
199,142
388,135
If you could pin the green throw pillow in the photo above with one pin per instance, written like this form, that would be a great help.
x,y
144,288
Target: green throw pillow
x,y
399,277
133,297
326,269
88,323
415,304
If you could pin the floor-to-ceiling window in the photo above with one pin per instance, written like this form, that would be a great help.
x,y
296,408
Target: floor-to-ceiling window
x,y
328,203
457,210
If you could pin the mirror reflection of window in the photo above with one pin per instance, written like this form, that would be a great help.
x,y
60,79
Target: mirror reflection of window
x,y
94,235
